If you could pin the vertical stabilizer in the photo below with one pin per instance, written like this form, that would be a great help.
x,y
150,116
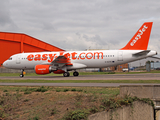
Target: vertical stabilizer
x,y
140,40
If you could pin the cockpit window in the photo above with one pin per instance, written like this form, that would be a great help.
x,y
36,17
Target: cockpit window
x,y
10,58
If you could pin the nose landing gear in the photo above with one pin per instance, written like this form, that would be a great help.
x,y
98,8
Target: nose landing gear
x,y
21,75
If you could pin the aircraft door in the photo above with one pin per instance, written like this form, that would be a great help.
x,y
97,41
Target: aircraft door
x,y
120,55
18,59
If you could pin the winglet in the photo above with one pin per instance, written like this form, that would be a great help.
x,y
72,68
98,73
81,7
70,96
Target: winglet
x,y
140,40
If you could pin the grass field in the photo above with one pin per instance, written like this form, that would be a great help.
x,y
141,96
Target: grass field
x,y
80,73
60,103
52,103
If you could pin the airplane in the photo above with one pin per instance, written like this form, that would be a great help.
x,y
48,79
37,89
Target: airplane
x,y
64,61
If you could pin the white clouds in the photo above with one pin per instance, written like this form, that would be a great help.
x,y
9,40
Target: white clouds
x,y
78,25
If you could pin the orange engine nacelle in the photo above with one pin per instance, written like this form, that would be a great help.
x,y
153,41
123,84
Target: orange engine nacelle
x,y
42,69
58,71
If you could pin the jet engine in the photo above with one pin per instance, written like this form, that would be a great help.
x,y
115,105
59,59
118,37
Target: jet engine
x,y
43,69
46,69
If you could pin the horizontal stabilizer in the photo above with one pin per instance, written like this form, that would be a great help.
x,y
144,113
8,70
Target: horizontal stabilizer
x,y
145,52
155,57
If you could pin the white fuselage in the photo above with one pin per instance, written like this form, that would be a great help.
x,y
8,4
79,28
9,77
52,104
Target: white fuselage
x,y
79,59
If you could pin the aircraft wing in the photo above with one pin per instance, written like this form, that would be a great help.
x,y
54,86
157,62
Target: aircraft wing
x,y
144,52
62,60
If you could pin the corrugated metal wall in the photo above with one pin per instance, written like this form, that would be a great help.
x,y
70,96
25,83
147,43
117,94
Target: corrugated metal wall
x,y
13,43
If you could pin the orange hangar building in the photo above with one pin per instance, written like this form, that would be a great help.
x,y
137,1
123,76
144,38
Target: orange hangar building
x,y
13,43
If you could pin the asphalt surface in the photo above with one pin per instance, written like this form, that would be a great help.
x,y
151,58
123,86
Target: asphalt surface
x,y
146,76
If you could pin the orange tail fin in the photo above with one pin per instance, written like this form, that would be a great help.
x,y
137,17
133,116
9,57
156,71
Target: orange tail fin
x,y
140,40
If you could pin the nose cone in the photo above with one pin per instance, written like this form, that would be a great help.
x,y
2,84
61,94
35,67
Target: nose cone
x,y
5,64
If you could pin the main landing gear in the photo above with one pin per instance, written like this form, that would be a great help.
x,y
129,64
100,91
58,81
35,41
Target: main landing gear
x,y
75,73
21,75
67,74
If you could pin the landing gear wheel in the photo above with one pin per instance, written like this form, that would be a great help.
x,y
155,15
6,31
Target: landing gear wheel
x,y
21,75
66,74
75,73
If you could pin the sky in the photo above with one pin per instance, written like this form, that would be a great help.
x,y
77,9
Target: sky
x,y
81,24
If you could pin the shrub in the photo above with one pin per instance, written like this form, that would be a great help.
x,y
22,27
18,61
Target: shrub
x,y
1,100
93,109
5,91
73,89
58,90
65,90
41,90
27,92
111,72
7,94
54,111
80,90
36,118
26,100
76,115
